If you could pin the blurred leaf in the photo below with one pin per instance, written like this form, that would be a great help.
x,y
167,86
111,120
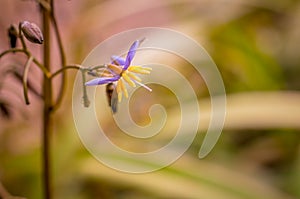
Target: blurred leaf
x,y
188,178
238,52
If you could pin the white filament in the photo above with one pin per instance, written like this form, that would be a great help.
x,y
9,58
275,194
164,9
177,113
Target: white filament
x,y
143,85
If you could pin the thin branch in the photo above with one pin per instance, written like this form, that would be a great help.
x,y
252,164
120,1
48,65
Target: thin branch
x,y
19,76
25,77
76,67
42,67
22,38
59,40
62,70
44,4
62,56
86,101
8,86
13,50
28,54
97,67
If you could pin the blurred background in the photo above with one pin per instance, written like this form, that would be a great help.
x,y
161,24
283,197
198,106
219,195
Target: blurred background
x,y
255,45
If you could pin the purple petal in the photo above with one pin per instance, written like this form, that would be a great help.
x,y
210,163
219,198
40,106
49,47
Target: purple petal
x,y
102,80
117,60
131,53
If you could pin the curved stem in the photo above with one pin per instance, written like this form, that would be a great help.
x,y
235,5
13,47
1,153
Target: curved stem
x,y
59,40
13,50
28,54
42,67
25,77
19,76
22,38
13,91
62,56
62,70
97,67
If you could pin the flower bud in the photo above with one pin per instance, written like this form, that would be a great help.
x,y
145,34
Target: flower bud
x,y
13,35
32,32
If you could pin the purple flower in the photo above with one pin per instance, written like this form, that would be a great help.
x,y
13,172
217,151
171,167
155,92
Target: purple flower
x,y
120,69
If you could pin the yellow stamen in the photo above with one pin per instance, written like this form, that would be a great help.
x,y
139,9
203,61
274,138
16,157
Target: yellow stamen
x,y
106,74
139,69
116,69
119,90
127,79
123,88
146,68
133,76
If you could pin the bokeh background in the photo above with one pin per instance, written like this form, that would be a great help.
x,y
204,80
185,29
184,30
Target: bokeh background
x,y
255,45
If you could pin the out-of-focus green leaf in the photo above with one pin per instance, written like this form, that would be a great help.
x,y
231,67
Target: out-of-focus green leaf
x,y
189,178
237,52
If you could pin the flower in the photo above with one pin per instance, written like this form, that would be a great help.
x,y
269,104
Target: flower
x,y
120,69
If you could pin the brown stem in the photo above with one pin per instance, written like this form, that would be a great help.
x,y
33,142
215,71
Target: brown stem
x,y
47,88
63,70
13,50
28,54
25,78
22,38
62,56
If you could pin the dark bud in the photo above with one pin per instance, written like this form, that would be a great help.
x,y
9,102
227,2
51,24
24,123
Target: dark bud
x,y
112,97
12,35
32,32
4,110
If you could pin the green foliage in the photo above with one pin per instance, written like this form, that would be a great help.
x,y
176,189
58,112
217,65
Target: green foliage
x,y
239,53
258,155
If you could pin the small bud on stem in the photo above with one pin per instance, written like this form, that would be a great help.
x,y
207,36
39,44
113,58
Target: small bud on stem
x,y
32,32
13,35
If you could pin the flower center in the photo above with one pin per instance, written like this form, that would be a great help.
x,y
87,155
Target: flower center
x,y
115,69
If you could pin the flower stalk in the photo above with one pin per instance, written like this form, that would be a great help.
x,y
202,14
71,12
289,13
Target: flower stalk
x,y
114,75
25,78
47,92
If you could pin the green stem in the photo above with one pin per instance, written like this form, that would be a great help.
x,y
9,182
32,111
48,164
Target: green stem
x,y
86,101
47,88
